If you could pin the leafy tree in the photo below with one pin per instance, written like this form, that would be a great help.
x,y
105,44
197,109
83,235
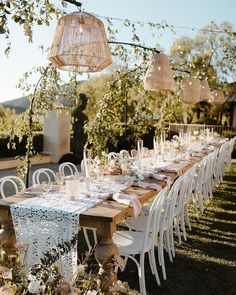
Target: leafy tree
x,y
27,14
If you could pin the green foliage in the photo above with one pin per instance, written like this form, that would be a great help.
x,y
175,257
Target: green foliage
x,y
19,148
27,14
6,119
45,277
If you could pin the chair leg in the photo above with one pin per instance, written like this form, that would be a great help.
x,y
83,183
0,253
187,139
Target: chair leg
x,y
187,217
168,244
177,229
150,262
142,275
161,257
183,225
172,241
153,262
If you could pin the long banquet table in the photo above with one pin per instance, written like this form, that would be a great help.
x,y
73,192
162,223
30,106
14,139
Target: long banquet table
x,y
104,217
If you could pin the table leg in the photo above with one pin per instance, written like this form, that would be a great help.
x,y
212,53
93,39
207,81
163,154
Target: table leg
x,y
104,253
7,233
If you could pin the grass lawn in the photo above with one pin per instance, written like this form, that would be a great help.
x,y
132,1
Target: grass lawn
x,y
206,262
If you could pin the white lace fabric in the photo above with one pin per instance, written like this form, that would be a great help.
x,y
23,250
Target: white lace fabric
x,y
45,222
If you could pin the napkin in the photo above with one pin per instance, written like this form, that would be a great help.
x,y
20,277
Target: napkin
x,y
130,200
150,185
158,176
172,169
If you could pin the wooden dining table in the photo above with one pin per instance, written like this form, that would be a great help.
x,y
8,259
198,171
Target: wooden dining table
x,y
104,217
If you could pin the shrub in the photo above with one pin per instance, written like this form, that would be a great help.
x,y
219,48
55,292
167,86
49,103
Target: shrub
x,y
20,147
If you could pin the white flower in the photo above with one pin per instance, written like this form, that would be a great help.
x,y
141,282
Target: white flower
x,y
6,273
34,286
91,292
119,287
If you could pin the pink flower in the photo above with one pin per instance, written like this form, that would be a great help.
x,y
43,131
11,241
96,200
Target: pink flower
x,y
21,246
5,290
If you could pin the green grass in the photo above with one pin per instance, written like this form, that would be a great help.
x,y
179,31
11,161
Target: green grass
x,y
206,262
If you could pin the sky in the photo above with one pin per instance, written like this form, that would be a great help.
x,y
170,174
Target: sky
x,y
179,13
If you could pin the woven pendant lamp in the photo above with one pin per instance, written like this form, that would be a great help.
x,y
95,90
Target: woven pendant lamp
x,y
205,93
190,90
217,97
80,44
159,75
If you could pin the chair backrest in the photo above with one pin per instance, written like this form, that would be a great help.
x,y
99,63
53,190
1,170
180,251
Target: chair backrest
x,y
124,154
153,220
170,201
181,193
67,168
111,156
214,161
43,174
231,145
10,185
201,173
223,153
134,153
190,181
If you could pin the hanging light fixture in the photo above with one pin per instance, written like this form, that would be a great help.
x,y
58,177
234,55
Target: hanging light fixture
x,y
80,43
217,97
190,90
159,75
205,93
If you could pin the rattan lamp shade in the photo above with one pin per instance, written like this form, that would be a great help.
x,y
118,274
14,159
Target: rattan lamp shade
x,y
80,44
159,75
217,97
205,93
190,90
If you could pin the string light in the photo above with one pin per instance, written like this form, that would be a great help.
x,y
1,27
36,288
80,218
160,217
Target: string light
x,y
166,25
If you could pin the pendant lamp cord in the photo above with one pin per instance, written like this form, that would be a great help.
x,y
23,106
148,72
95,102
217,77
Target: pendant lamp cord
x,y
76,3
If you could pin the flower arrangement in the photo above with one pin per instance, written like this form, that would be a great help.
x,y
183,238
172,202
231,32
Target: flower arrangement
x,y
178,143
45,277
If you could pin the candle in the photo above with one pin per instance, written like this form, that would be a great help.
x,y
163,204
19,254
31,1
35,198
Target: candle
x,y
85,165
140,150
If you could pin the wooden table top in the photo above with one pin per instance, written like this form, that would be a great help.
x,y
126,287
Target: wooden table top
x,y
109,211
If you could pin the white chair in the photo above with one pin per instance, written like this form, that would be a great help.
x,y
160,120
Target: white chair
x,y
13,184
67,168
134,153
112,156
228,159
131,243
187,196
124,154
220,164
198,186
43,174
166,224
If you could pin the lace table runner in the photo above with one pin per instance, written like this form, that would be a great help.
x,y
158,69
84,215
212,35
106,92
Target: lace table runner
x,y
44,222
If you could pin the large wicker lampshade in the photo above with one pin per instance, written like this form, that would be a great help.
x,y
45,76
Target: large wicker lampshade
x,y
205,93
217,97
80,44
190,90
159,75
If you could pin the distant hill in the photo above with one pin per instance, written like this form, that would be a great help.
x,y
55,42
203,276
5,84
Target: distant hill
x,y
18,104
